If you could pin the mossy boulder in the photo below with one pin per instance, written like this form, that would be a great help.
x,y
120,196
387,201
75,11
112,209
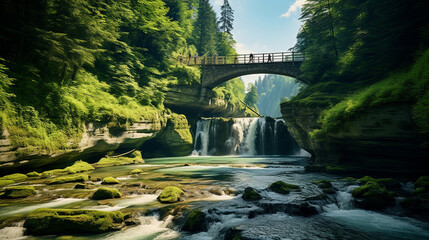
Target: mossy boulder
x,y
421,186
106,193
19,192
69,221
325,185
16,177
170,195
133,158
6,182
109,181
283,188
373,196
68,179
79,166
33,174
251,195
136,171
80,186
387,182
195,221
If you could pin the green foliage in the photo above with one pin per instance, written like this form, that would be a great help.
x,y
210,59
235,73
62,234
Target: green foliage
x,y
194,221
251,195
68,179
109,181
19,192
170,195
252,97
232,91
283,188
135,157
106,193
272,89
410,86
70,221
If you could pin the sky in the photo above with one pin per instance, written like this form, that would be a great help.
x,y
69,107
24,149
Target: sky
x,y
263,26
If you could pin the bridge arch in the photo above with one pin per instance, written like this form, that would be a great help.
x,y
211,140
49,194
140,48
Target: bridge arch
x,y
214,75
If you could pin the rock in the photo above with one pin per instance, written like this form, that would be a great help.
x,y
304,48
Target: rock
x,y
372,196
298,208
80,186
19,192
6,182
134,157
70,221
79,166
230,191
421,186
217,191
109,181
326,186
416,205
195,221
33,174
283,188
132,222
251,195
170,195
387,182
68,179
106,193
136,171
16,177
314,168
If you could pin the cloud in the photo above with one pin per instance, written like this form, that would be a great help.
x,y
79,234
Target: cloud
x,y
218,3
294,7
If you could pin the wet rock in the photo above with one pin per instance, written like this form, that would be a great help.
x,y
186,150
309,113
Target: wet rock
x,y
80,186
251,195
416,205
109,181
292,208
233,233
106,193
421,186
19,192
326,186
170,195
70,221
132,222
387,182
372,196
230,191
283,188
217,191
195,221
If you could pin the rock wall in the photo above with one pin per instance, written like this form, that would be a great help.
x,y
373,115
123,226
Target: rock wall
x,y
383,139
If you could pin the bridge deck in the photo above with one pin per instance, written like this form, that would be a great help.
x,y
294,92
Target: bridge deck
x,y
244,58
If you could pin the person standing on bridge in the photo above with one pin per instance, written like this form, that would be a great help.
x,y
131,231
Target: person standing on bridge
x,y
269,58
251,58
195,58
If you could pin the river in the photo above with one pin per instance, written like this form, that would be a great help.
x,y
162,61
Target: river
x,y
214,184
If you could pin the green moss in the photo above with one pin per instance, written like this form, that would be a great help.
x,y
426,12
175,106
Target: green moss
x,y
387,182
136,171
421,186
326,186
106,193
53,173
6,182
67,179
79,166
283,188
17,177
340,169
135,157
70,221
251,195
19,192
365,179
109,181
373,195
170,195
33,174
194,221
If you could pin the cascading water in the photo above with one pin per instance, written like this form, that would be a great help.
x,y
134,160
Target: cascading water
x,y
243,136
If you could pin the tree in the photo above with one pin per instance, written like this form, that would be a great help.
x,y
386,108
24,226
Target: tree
x,y
205,29
226,18
252,97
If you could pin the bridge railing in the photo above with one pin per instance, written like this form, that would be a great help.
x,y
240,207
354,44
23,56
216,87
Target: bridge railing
x,y
244,58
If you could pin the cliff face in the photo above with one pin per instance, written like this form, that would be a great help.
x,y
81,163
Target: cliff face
x,y
382,139
195,102
96,141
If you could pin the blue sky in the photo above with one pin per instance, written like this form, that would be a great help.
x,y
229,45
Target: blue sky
x,y
263,26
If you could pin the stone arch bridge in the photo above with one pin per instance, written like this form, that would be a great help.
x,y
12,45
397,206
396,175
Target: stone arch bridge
x,y
216,70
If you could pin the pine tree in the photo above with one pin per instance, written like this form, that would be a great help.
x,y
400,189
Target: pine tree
x,y
226,17
205,28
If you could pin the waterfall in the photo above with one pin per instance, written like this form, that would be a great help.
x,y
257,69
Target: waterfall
x,y
243,136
